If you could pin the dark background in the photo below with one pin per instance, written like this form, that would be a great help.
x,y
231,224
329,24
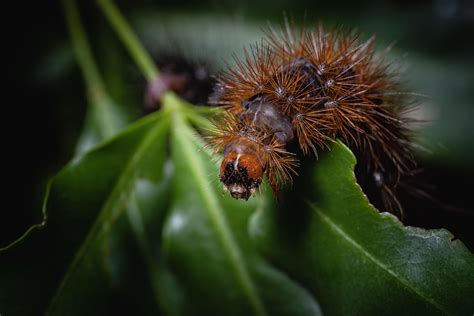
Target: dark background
x,y
45,100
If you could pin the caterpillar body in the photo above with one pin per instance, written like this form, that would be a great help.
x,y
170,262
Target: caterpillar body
x,y
311,87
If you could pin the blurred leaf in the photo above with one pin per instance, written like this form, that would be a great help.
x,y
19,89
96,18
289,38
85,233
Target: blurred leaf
x,y
104,119
100,185
195,36
91,191
358,261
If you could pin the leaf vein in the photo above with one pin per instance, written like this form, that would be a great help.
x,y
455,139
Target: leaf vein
x,y
219,221
377,262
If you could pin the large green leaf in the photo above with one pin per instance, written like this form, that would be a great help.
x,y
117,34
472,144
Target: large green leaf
x,y
109,180
141,224
207,247
223,272
119,239
358,261
91,191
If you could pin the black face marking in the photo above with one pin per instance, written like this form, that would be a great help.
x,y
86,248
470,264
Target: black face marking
x,y
239,178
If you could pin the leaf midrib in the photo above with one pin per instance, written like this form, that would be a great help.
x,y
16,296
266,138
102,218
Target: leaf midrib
x,y
218,220
136,220
338,230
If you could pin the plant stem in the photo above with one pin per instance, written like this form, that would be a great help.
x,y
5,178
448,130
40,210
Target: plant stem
x,y
94,82
129,39
107,124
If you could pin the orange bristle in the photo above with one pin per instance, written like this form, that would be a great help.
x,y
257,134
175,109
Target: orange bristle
x,y
313,86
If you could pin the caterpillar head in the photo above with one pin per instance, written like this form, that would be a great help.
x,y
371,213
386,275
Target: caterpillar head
x,y
241,174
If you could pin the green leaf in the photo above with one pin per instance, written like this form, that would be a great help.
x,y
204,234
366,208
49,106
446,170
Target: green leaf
x,y
118,241
104,119
100,185
91,191
206,245
140,224
358,261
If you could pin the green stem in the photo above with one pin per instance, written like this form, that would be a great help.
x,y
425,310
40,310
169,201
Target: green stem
x,y
94,83
129,39
96,89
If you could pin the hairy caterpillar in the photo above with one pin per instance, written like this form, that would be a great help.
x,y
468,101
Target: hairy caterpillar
x,y
311,87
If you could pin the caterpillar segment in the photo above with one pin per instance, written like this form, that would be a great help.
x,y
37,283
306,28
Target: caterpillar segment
x,y
311,87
